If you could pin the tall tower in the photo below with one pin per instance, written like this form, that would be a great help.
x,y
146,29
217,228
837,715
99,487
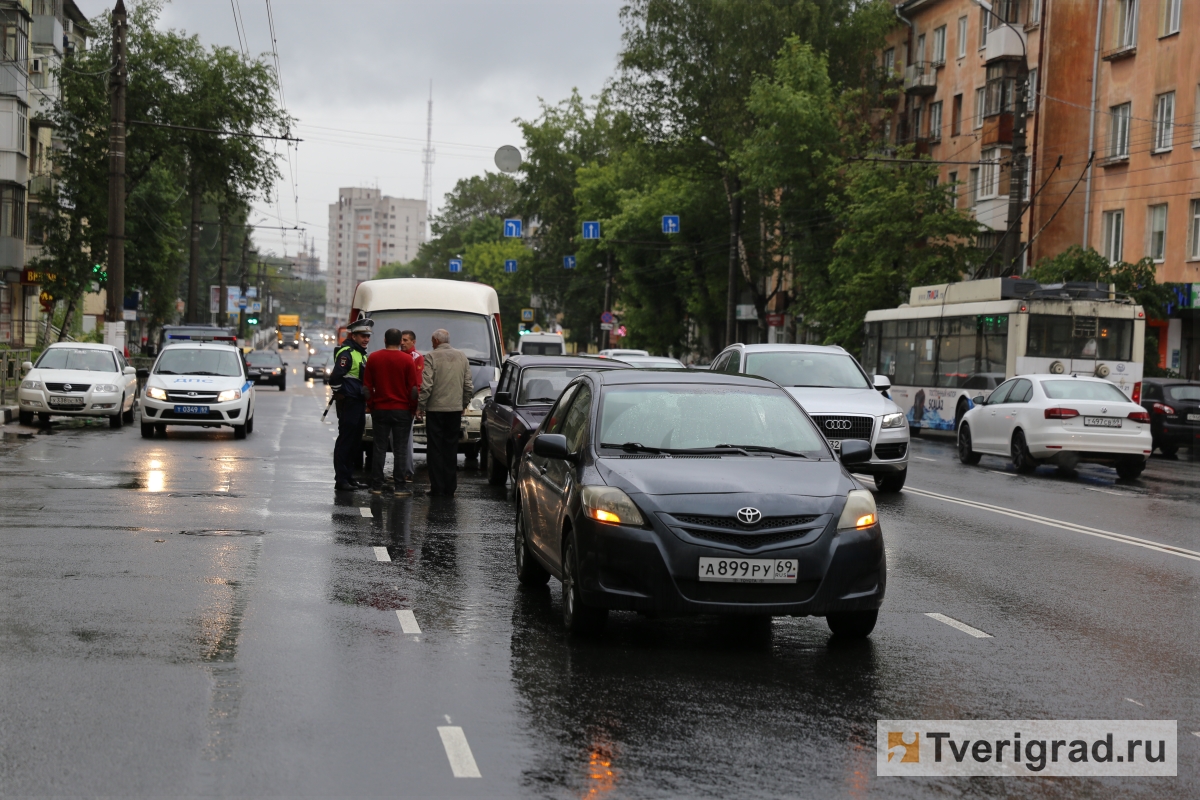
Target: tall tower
x,y
427,158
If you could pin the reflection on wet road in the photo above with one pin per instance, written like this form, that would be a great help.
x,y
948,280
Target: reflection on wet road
x,y
203,616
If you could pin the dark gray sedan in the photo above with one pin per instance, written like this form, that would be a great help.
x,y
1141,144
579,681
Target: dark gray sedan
x,y
695,493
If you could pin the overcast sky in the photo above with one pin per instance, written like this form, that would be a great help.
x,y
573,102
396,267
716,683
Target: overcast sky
x,y
356,76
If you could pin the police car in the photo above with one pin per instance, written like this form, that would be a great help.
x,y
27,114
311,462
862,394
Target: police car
x,y
199,384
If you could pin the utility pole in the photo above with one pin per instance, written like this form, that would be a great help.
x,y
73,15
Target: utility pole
x,y
607,297
114,330
244,281
1016,181
222,271
192,314
427,159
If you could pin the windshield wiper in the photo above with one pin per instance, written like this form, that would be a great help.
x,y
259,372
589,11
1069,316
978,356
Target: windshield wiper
x,y
529,400
633,447
215,374
166,372
758,448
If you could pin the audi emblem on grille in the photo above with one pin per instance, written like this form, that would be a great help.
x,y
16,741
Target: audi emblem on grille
x,y
837,424
66,387
748,515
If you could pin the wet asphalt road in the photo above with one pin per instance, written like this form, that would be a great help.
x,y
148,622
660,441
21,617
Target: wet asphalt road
x,y
256,650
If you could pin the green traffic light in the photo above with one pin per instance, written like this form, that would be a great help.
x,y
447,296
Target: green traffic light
x,y
251,320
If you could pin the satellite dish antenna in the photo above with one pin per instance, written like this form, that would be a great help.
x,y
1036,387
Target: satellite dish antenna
x,y
508,158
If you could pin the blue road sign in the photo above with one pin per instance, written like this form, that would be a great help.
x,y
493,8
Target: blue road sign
x,y
510,265
568,262
607,317
670,223
242,303
456,265
512,228
591,230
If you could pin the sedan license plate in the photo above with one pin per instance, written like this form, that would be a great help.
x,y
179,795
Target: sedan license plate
x,y
1102,422
66,401
748,570
191,409
1193,417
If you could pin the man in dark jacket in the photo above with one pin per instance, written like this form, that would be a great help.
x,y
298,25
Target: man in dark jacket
x,y
346,381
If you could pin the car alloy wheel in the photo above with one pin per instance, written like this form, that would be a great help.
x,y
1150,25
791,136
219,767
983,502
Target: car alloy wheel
x,y
529,571
891,481
1021,458
965,454
578,617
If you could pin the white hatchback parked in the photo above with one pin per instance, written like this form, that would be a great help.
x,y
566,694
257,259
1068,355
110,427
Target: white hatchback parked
x,y
1060,420
77,379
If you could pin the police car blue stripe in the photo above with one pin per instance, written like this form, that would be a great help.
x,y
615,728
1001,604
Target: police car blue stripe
x,y
245,386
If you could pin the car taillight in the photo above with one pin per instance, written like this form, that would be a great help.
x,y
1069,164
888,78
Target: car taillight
x,y
1161,408
1139,416
1137,390
1061,413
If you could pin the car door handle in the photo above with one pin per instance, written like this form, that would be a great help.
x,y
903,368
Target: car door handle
x,y
542,470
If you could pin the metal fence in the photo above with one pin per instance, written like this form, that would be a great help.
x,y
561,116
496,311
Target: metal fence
x,y
10,373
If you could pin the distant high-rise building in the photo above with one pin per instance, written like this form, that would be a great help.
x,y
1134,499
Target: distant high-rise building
x,y
366,231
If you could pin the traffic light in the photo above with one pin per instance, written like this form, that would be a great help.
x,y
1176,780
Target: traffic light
x,y
251,320
99,273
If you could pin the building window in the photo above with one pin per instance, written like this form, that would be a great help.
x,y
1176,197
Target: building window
x,y
14,36
989,174
1035,12
1118,140
1031,92
1156,225
956,118
915,124
1114,235
1164,121
1126,23
887,131
935,121
973,186
1170,17
1194,231
983,27
22,131
1196,123
962,37
952,182
939,45
980,102
920,48
1000,91
889,61
12,212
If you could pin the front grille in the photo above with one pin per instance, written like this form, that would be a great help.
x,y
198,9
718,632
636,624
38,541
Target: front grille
x,y
211,415
706,592
843,426
745,541
731,523
75,387
892,450
193,397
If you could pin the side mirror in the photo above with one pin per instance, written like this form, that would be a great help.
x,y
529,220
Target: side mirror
x,y
855,451
552,445
26,365
502,398
979,400
882,383
130,371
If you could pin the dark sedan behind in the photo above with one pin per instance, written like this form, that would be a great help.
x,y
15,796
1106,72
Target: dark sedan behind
x,y
692,493
266,367
1174,407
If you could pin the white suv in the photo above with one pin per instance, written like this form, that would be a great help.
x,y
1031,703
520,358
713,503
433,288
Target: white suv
x,y
200,384
835,391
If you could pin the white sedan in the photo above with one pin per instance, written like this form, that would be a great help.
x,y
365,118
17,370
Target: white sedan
x,y
1060,420
78,379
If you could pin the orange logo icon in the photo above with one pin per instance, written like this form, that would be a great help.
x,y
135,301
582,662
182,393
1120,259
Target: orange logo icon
x,y
912,750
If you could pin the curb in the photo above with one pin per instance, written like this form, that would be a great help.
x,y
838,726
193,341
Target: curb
x,y
8,413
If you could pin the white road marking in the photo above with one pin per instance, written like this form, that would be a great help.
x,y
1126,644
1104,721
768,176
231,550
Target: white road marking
x,y
366,512
1067,526
1105,491
462,763
1005,474
962,626
408,621
1195,733
381,554
1135,702
923,458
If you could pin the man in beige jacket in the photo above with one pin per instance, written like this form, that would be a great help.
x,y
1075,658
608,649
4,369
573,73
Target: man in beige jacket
x,y
446,391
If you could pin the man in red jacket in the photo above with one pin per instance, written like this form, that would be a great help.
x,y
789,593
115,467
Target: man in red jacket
x,y
392,384
408,343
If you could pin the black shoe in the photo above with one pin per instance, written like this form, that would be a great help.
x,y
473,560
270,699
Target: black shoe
x,y
360,485
344,487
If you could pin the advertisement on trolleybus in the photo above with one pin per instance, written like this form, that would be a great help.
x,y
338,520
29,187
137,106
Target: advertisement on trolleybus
x,y
956,341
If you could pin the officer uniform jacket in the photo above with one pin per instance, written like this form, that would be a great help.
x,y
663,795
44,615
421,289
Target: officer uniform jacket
x,y
347,374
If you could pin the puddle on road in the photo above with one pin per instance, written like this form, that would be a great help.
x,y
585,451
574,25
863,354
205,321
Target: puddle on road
x,y
221,532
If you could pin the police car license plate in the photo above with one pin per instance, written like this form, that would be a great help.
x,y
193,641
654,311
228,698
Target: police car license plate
x,y
191,409
1102,422
66,401
748,570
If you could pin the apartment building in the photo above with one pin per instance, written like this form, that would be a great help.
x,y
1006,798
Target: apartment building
x,y
366,231
19,290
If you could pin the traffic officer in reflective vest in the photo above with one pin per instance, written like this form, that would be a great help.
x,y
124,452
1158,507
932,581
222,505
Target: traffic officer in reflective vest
x,y
348,393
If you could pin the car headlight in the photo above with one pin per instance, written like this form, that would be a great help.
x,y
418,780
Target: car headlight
x,y
859,512
479,399
275,371
892,421
609,504
31,384
104,388
155,393
229,394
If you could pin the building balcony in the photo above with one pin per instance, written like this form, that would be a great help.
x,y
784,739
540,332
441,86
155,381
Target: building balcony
x,y
920,144
993,212
920,78
1005,44
39,184
997,129
1120,52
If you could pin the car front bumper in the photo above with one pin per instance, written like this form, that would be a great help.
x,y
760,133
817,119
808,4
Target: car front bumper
x,y
653,570
95,404
163,412
889,451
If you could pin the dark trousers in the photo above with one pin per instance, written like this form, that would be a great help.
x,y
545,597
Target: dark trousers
x,y
347,450
390,429
442,432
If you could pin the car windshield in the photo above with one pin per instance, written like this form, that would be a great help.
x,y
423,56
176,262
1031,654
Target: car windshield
x,y
1178,393
81,358
543,385
826,370
469,333
263,360
1084,390
194,361
699,416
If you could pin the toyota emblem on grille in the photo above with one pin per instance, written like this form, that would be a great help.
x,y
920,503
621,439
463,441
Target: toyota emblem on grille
x,y
66,387
748,516
837,424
